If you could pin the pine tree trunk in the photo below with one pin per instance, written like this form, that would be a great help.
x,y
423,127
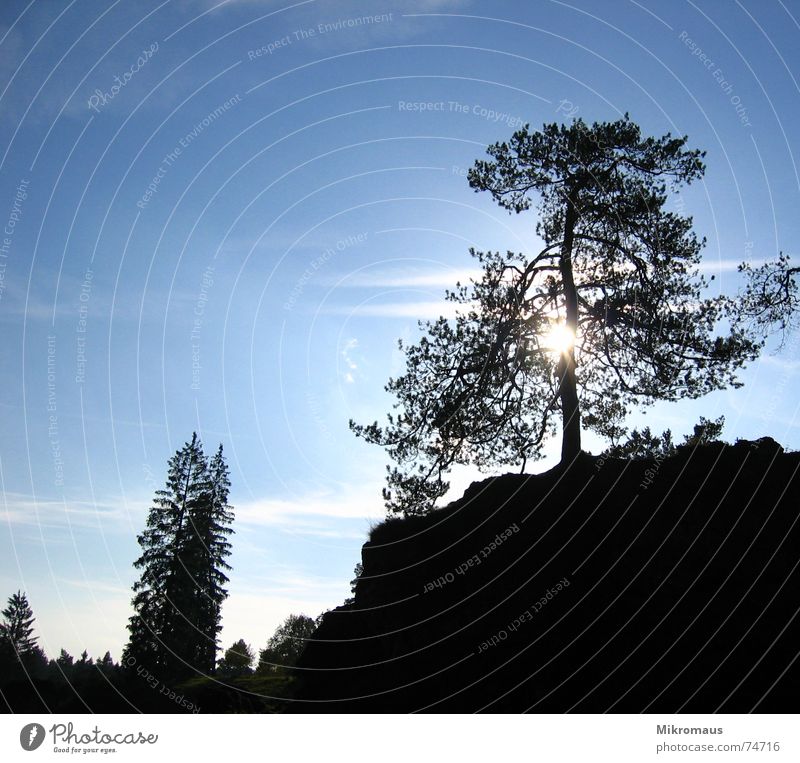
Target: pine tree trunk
x,y
568,390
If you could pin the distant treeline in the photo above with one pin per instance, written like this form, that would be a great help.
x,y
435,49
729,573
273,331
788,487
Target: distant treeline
x,y
171,662
240,682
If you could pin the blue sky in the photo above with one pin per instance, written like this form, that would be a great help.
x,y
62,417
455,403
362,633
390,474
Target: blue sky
x,y
232,239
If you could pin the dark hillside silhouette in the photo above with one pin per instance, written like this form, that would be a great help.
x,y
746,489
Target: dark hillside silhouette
x,y
658,585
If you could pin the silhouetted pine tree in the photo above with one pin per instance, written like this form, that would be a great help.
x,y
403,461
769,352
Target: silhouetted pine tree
x,y
105,663
21,658
160,631
210,520
178,597
65,661
83,665
16,633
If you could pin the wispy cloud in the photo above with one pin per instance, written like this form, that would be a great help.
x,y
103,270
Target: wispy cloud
x,y
18,509
410,6
449,278
296,512
336,27
406,310
403,279
350,364
293,583
784,364
322,514
725,266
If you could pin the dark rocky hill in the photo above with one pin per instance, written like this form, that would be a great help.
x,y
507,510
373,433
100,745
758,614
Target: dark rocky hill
x,y
611,585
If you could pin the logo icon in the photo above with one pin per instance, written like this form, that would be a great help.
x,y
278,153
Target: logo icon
x,y
31,736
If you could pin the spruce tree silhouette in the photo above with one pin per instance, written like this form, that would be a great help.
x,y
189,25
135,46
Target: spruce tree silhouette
x,y
16,633
208,547
65,661
178,597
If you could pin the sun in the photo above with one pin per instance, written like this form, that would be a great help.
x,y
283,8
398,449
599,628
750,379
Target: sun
x,y
559,339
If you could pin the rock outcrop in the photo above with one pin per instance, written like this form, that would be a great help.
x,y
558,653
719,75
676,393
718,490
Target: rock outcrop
x,y
656,585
